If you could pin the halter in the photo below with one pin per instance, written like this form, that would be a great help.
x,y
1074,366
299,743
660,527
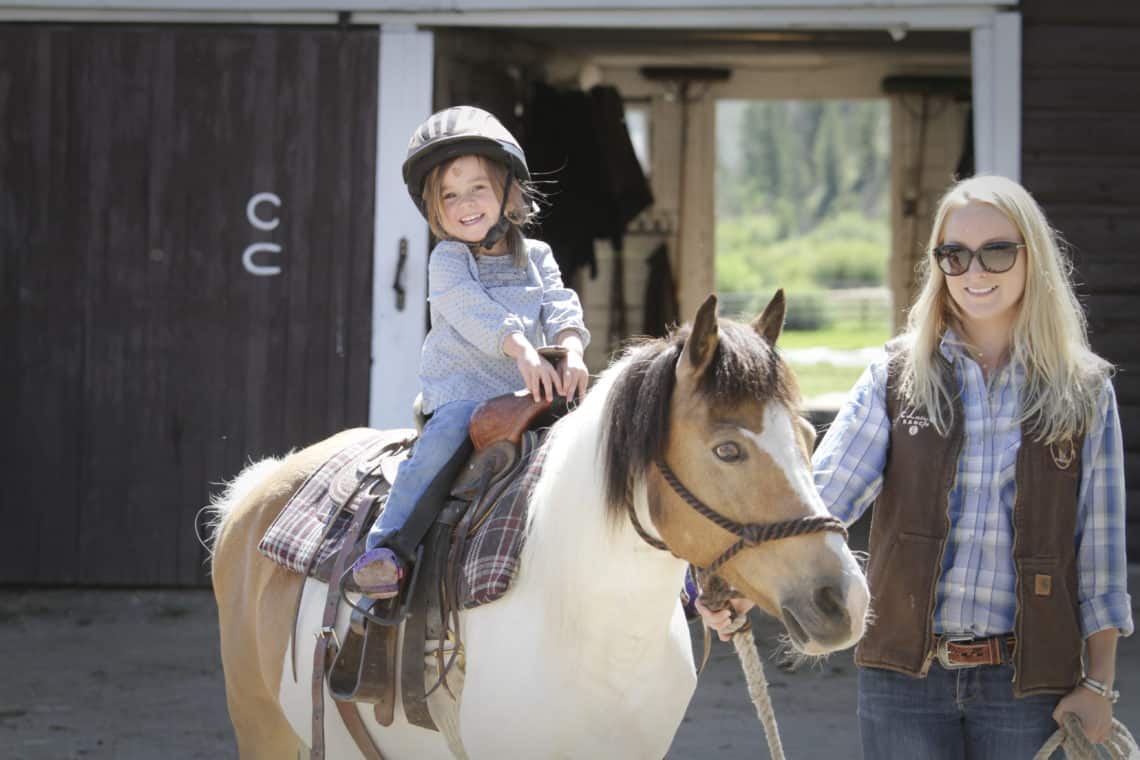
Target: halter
x,y
750,534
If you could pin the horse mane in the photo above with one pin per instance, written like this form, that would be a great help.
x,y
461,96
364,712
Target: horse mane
x,y
744,368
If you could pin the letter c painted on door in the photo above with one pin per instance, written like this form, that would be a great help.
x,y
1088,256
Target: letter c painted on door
x,y
261,270
251,211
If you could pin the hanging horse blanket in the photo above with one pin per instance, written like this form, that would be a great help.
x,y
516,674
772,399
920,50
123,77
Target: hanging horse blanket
x,y
300,538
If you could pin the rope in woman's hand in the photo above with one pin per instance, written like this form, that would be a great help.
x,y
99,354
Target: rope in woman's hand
x,y
1071,738
715,595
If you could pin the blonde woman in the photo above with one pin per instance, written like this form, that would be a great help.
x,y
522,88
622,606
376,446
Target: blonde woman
x,y
989,443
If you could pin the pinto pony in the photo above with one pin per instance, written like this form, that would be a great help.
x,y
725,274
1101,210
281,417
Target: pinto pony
x,y
588,654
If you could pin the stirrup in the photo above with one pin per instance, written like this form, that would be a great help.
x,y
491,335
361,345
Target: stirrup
x,y
380,555
391,611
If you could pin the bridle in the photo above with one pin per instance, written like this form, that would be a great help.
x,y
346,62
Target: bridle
x,y
715,592
749,534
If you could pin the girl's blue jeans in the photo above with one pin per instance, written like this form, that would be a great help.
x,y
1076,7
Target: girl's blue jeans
x,y
963,714
443,434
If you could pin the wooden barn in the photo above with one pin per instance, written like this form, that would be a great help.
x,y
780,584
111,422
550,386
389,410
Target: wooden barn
x,y
207,255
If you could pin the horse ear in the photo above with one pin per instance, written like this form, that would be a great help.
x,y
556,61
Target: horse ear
x,y
702,341
771,320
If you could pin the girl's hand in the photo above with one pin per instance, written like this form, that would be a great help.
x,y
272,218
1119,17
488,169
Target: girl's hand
x,y
719,620
1093,711
573,375
539,375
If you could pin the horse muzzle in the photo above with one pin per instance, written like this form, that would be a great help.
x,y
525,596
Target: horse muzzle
x,y
827,616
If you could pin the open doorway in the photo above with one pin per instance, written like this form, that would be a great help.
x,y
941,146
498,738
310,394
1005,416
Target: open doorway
x,y
675,125
803,203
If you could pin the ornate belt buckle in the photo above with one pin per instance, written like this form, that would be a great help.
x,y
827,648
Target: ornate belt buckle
x,y
942,651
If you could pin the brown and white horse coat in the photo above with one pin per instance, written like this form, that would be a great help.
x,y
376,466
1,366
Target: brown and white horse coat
x,y
589,654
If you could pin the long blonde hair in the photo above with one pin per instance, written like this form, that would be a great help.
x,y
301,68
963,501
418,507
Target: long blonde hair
x,y
519,210
1064,378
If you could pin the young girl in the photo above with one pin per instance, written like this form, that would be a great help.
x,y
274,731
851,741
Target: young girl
x,y
989,442
494,297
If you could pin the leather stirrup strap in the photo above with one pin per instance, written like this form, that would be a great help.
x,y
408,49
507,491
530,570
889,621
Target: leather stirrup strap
x,y
326,652
389,449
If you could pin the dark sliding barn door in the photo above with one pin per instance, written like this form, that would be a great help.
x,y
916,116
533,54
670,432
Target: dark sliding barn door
x,y
147,350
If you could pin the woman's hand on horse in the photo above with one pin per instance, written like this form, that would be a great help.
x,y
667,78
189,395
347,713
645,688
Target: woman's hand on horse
x,y
719,620
574,376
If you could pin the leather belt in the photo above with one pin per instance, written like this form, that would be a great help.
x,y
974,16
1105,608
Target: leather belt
x,y
955,652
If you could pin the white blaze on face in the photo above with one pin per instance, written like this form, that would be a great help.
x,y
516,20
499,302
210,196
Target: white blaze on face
x,y
778,440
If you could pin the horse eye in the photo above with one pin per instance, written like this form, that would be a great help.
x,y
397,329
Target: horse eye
x,y
728,452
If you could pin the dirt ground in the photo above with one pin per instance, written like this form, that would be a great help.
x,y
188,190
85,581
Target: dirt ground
x,y
135,675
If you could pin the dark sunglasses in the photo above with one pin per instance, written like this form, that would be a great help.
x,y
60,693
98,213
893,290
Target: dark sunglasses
x,y
996,257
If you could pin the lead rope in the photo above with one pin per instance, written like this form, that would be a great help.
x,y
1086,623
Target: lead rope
x,y
715,595
1071,738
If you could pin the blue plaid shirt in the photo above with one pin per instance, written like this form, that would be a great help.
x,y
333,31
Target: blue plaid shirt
x,y
977,586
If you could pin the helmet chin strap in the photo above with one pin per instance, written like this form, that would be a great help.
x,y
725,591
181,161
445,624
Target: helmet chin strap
x,y
495,234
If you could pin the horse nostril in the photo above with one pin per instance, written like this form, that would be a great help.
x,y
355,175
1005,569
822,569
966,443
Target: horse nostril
x,y
829,601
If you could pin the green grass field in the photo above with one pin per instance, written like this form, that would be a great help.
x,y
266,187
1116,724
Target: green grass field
x,y
851,321
820,379
840,336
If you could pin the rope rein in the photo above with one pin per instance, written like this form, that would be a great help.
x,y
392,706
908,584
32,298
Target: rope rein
x,y
716,595
1119,746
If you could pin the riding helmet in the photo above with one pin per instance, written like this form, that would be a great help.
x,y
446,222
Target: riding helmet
x,y
459,131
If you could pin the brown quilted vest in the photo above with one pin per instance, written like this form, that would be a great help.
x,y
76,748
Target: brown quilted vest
x,y
909,526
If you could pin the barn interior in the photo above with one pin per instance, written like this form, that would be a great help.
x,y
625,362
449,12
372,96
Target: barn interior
x,y
650,259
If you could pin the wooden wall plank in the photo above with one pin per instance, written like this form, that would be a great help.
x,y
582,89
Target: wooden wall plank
x,y
350,121
1100,269
191,334
362,115
1131,465
1116,312
1130,426
1111,181
1090,226
1085,133
1132,499
1067,12
1081,47
1127,383
1117,346
122,525
1057,89
40,301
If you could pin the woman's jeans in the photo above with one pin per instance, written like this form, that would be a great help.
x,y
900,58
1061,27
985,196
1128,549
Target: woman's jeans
x,y
967,713
444,433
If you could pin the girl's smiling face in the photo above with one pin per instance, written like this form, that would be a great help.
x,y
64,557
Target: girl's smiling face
x,y
469,202
986,301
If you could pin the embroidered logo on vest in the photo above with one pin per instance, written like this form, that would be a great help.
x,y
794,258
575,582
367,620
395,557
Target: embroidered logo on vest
x,y
914,422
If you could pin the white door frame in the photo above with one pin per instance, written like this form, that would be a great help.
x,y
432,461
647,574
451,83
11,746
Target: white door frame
x,y
405,100
996,60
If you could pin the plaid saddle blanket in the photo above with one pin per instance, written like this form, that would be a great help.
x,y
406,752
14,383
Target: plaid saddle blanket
x,y
358,477
297,538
